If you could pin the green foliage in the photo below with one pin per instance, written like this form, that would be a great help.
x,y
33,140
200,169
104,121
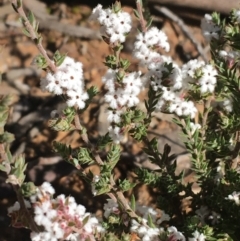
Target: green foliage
x,y
28,189
103,141
58,58
126,185
84,156
112,157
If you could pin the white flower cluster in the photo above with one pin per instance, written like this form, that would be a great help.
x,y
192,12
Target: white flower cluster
x,y
61,218
147,43
110,207
147,233
193,73
234,197
204,213
206,82
237,15
209,28
176,104
144,232
114,26
231,56
120,95
166,76
68,80
197,236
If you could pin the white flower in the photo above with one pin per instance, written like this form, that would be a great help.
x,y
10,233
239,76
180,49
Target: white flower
x,y
227,105
176,234
194,127
95,13
114,116
80,210
91,224
73,237
16,206
202,213
115,133
96,179
110,207
188,71
147,42
208,80
44,214
115,26
77,98
46,187
132,83
164,217
235,197
209,28
197,236
145,211
68,79
237,15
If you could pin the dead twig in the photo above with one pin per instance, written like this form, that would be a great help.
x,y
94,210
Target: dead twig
x,y
33,34
186,31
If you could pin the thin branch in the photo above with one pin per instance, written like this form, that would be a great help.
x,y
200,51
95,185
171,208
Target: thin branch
x,y
27,215
20,198
141,18
33,34
86,139
235,152
186,31
207,109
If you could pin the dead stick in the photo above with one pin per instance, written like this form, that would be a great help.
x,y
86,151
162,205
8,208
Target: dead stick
x,y
187,32
33,34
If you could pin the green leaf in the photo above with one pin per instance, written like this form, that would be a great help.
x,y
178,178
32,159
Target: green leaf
x,y
103,141
28,189
41,62
150,221
6,137
31,17
25,32
126,185
64,150
84,156
58,58
133,203
136,14
113,155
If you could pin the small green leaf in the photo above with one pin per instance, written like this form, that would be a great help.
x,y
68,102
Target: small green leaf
x,y
31,18
84,156
150,221
136,14
133,203
103,141
6,137
25,32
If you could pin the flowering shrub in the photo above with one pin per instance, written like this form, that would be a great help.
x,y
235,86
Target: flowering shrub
x,y
211,137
